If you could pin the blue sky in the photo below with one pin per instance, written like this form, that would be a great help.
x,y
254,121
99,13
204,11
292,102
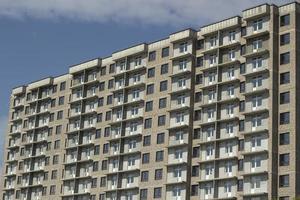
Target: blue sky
x,y
43,38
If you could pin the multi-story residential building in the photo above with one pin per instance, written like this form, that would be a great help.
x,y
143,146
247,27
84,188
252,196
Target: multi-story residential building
x,y
207,114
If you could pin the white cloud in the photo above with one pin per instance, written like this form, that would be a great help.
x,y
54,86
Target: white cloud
x,y
154,12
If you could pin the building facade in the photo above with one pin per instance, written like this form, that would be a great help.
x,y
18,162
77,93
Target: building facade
x,y
207,114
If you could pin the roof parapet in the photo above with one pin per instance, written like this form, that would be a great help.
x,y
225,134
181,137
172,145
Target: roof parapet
x,y
228,23
85,65
37,84
18,90
185,34
130,51
256,11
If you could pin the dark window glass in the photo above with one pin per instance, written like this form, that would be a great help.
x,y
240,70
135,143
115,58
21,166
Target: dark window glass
x,y
285,78
284,97
157,193
162,103
152,55
161,120
285,58
163,86
149,106
284,138
147,140
164,69
165,52
284,159
151,72
284,118
284,39
148,123
284,20
150,89
284,181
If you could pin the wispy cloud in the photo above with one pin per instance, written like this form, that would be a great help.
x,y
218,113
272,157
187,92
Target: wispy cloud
x,y
154,12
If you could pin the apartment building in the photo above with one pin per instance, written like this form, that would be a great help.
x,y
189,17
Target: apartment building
x,y
207,114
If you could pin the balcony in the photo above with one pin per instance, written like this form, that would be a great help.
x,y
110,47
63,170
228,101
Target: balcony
x,y
177,156
261,29
181,67
180,84
182,50
176,175
178,139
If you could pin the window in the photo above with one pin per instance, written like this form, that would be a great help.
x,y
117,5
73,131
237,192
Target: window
x,y
57,144
158,174
285,20
243,68
97,150
52,190
104,165
242,106
58,129
183,47
103,71
55,159
284,198
108,116
101,86
150,89
59,115
284,39
109,99
143,194
284,181
148,123
285,78
285,58
94,183
102,181
95,166
162,103
54,174
284,159
242,87
160,138
195,171
145,158
199,62
284,118
62,86
165,52
257,24
111,68
100,102
147,140
164,69
243,31
199,79
240,185
151,72
163,86
159,156
196,152
161,120
61,100
149,106
144,176
157,193
284,97
152,55
284,138
110,84
105,148
200,44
